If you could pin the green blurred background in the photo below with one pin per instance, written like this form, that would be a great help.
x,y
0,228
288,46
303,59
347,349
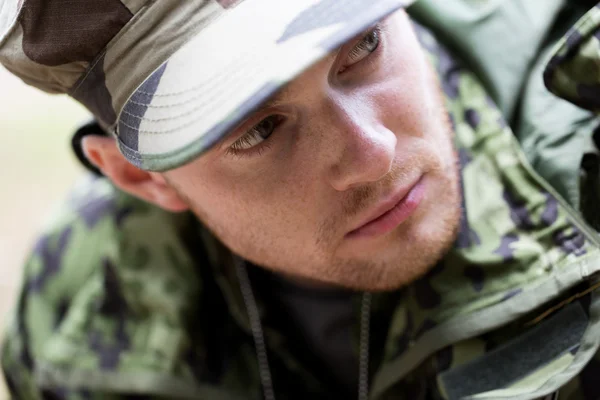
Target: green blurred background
x,y
37,171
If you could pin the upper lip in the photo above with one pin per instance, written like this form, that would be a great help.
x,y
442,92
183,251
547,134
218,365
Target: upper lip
x,y
387,204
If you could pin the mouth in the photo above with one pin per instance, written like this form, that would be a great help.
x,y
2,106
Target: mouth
x,y
391,212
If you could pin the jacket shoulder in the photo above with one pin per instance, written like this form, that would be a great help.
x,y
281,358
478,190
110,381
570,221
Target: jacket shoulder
x,y
105,260
98,225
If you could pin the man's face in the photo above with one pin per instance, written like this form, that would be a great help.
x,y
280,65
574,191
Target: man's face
x,y
300,187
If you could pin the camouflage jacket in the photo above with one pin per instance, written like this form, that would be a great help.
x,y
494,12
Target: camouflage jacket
x,y
123,300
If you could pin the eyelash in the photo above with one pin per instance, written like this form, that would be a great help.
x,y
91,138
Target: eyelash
x,y
254,150
235,150
362,44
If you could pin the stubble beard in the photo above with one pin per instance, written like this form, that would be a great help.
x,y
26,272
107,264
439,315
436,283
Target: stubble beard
x,y
383,274
436,237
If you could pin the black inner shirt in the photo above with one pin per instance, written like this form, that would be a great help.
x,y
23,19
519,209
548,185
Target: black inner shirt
x,y
322,325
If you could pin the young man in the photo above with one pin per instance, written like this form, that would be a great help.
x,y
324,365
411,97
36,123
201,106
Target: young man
x,y
314,199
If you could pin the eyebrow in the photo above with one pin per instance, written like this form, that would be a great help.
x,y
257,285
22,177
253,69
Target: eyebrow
x,y
274,100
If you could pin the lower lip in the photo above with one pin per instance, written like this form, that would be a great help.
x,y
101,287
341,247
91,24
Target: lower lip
x,y
394,217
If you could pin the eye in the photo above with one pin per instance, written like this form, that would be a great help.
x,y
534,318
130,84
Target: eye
x,y
367,45
257,134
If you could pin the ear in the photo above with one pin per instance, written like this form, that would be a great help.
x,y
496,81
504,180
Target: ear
x,y
149,186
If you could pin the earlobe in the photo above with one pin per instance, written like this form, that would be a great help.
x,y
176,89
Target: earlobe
x,y
104,154
167,198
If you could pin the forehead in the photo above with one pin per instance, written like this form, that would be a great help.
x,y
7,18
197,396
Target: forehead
x,y
278,97
320,68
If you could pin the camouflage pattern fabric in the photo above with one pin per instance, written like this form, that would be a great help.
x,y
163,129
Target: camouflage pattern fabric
x,y
135,64
112,307
553,133
573,72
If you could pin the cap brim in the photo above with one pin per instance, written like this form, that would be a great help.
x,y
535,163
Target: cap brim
x,y
229,68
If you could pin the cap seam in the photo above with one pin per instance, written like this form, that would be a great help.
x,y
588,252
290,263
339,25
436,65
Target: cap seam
x,y
175,117
190,100
177,129
129,152
128,98
196,88
100,56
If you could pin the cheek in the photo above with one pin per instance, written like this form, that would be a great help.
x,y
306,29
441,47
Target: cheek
x,y
236,217
405,97
252,221
405,108
262,208
410,103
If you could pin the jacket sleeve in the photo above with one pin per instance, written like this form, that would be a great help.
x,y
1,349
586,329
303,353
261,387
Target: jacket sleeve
x,y
74,323
42,303
53,275
573,71
49,285
37,313
16,364
18,354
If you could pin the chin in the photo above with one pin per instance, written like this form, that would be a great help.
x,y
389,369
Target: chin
x,y
395,275
406,256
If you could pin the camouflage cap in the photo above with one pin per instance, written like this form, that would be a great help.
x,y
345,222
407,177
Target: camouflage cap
x,y
169,78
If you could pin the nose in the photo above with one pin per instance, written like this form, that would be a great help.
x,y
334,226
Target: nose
x,y
363,148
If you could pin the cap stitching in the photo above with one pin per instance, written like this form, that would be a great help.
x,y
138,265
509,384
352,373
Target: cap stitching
x,y
108,46
177,129
150,105
127,99
208,87
193,110
87,73
192,89
196,87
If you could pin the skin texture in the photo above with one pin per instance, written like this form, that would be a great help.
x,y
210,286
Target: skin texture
x,y
350,134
